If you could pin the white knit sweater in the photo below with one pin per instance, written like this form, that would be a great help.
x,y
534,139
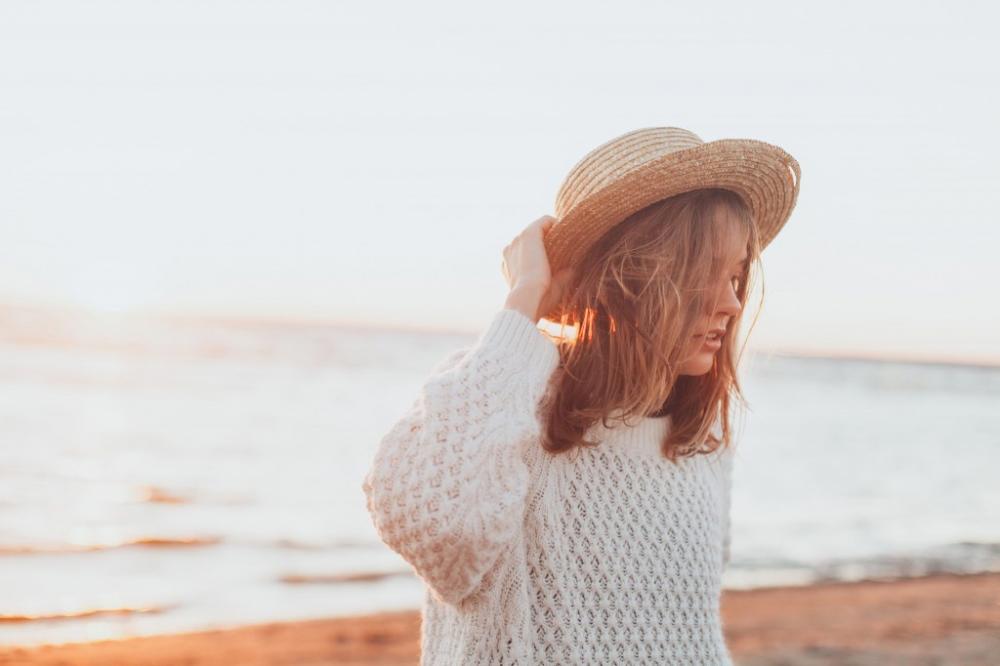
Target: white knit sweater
x,y
611,555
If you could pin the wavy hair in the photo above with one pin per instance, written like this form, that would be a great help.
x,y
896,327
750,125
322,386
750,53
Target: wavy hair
x,y
635,301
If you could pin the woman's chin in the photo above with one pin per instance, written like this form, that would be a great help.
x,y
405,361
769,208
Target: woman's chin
x,y
699,365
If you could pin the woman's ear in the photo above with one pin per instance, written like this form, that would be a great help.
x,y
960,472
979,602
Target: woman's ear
x,y
558,288
565,277
567,280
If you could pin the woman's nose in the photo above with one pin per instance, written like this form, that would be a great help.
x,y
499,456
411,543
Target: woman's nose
x,y
730,303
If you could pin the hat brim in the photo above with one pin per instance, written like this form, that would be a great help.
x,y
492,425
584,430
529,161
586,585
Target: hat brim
x,y
765,176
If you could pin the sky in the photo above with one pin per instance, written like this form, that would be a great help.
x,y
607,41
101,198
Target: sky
x,y
367,162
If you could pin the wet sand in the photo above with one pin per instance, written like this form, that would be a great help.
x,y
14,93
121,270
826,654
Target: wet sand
x,y
941,619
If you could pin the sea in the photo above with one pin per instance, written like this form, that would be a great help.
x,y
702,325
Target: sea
x,y
175,474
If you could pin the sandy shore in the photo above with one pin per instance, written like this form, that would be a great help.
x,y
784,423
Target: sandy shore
x,y
932,620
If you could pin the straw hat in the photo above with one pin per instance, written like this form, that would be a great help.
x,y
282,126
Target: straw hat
x,y
641,167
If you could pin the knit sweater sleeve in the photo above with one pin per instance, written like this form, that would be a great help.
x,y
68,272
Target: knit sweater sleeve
x,y
448,485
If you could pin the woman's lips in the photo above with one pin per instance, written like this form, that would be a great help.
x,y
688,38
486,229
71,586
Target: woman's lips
x,y
709,343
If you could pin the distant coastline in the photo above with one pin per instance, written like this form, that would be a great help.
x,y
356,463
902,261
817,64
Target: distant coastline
x,y
17,321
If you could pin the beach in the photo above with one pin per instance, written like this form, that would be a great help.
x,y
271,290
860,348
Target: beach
x,y
937,619
125,430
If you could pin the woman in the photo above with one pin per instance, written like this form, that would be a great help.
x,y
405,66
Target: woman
x,y
565,499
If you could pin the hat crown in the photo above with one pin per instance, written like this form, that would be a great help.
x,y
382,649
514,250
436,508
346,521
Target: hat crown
x,y
617,157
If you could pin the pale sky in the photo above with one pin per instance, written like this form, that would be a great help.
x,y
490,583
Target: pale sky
x,y
367,162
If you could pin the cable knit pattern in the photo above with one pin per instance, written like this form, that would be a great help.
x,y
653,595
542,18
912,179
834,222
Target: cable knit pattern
x,y
610,555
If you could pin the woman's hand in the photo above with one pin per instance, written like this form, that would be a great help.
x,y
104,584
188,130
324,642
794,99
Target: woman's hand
x,y
533,288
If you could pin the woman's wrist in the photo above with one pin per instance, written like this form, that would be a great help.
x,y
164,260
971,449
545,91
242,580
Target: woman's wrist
x,y
525,300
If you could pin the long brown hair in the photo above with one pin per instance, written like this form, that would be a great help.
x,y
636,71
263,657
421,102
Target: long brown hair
x,y
635,302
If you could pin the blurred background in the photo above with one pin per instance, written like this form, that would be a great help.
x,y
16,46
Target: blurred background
x,y
235,237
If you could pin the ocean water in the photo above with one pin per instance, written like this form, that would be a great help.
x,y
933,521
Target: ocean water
x,y
160,476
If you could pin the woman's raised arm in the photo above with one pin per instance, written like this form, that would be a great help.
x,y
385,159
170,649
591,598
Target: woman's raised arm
x,y
448,485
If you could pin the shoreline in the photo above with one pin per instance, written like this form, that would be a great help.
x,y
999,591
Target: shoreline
x,y
934,619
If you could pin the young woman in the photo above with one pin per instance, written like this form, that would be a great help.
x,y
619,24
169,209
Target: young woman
x,y
565,498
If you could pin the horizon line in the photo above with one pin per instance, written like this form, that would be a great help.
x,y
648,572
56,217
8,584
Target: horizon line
x,y
289,320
